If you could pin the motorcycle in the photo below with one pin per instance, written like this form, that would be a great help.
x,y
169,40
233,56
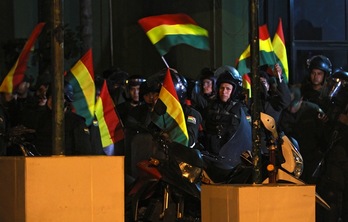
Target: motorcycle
x,y
168,185
282,164
172,180
19,145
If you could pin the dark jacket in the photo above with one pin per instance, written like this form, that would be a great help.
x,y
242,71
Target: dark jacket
x,y
76,133
221,121
276,100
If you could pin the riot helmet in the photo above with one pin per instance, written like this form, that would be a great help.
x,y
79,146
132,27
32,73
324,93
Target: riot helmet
x,y
135,80
320,62
115,77
149,86
68,92
228,74
338,85
179,81
180,85
207,73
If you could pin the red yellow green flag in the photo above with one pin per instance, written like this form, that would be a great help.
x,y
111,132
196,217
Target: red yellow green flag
x,y
173,120
82,80
166,31
17,72
279,48
266,56
110,126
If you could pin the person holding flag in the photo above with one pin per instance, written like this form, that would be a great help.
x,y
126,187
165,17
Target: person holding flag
x,y
275,93
172,114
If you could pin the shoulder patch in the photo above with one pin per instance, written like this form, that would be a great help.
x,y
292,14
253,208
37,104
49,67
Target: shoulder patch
x,y
191,119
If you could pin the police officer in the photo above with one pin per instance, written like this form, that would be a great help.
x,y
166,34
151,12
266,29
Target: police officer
x,y
313,87
333,183
304,121
116,81
192,116
132,89
77,141
224,115
206,92
138,142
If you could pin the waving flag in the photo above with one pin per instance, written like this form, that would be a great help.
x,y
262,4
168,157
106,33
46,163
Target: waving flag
x,y
279,48
82,80
266,56
166,31
17,72
109,123
173,120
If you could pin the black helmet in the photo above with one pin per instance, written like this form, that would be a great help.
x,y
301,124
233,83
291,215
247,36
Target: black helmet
x,y
338,84
135,80
179,81
149,86
180,85
68,91
115,76
207,73
228,74
320,62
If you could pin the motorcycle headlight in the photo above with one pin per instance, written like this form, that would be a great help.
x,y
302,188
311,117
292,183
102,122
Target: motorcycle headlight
x,y
298,164
189,172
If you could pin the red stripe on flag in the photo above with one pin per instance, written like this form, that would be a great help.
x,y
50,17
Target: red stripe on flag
x,y
87,60
263,32
280,31
150,22
20,66
168,84
111,118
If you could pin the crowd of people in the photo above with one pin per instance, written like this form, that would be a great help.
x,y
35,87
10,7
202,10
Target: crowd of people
x,y
314,113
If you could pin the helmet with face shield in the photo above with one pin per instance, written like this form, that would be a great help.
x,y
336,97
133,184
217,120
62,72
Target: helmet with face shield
x,y
338,87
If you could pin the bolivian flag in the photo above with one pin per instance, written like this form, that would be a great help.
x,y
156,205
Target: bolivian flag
x,y
17,72
82,80
173,120
109,123
279,48
266,56
166,31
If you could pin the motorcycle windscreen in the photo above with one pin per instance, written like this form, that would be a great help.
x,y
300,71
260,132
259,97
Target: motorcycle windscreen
x,y
239,142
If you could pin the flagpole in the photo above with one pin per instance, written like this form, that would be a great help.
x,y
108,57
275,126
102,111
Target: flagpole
x,y
58,70
165,62
255,90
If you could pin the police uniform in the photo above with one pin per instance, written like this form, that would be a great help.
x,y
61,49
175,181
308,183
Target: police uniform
x,y
77,140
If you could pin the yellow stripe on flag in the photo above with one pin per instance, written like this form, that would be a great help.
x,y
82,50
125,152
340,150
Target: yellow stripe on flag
x,y
174,109
159,32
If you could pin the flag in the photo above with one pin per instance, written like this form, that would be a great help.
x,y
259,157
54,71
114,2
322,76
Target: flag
x,y
166,31
173,120
81,77
110,126
279,48
266,56
247,83
17,72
